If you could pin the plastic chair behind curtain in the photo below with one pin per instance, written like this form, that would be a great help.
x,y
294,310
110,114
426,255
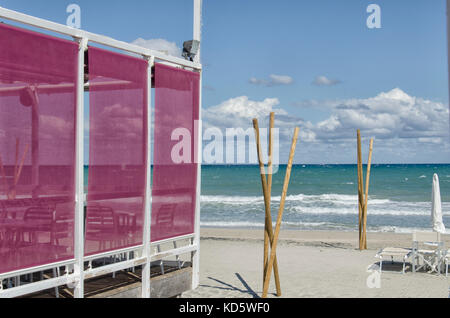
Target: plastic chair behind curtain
x,y
174,170
38,76
117,151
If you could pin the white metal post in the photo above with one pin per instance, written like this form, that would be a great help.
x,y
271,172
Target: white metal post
x,y
146,286
448,48
79,176
196,241
198,27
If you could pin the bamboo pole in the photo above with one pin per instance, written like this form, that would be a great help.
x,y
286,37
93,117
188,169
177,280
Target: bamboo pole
x,y
22,161
280,213
267,218
2,170
18,172
17,157
266,200
364,214
360,187
268,213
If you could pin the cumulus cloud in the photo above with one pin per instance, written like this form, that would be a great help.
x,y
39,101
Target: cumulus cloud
x,y
325,81
393,114
239,112
274,80
405,128
162,45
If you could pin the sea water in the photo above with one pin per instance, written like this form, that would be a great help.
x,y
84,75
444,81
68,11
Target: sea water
x,y
324,197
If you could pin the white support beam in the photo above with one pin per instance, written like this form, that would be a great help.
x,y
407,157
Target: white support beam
x,y
35,269
99,39
136,249
115,267
173,239
174,252
37,286
79,175
195,255
448,49
196,239
147,201
198,27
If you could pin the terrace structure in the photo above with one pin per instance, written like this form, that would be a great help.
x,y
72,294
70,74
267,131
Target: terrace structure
x,y
132,228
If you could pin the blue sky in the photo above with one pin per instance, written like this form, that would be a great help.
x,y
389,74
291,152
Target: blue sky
x,y
299,43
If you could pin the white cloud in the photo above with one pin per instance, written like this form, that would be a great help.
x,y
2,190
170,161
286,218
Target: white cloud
x,y
239,112
324,81
53,127
393,114
273,80
281,79
163,45
406,128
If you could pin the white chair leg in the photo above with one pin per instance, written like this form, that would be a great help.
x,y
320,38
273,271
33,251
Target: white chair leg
x,y
56,274
178,256
113,261
161,263
133,269
446,268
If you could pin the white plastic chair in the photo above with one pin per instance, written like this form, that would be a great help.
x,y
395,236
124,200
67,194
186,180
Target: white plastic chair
x,y
427,247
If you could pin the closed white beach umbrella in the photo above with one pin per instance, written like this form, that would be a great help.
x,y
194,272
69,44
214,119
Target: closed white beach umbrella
x,y
436,207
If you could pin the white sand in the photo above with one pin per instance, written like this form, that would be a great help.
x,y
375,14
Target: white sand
x,y
311,264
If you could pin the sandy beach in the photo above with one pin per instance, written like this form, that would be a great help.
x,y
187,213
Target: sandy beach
x,y
311,264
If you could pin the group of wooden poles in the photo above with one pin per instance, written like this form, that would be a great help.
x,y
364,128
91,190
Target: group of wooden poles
x,y
363,195
271,237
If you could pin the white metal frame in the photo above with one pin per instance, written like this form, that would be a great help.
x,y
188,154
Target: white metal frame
x,y
76,274
195,255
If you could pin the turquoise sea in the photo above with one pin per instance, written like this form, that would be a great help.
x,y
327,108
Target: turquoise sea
x,y
324,197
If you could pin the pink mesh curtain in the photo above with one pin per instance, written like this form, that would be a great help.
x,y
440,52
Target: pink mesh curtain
x,y
117,151
174,167
37,148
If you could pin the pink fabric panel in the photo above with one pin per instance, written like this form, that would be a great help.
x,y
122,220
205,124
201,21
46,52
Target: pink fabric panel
x,y
174,167
38,76
117,151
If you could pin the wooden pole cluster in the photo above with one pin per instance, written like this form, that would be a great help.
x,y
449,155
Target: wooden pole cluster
x,y
363,193
271,238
